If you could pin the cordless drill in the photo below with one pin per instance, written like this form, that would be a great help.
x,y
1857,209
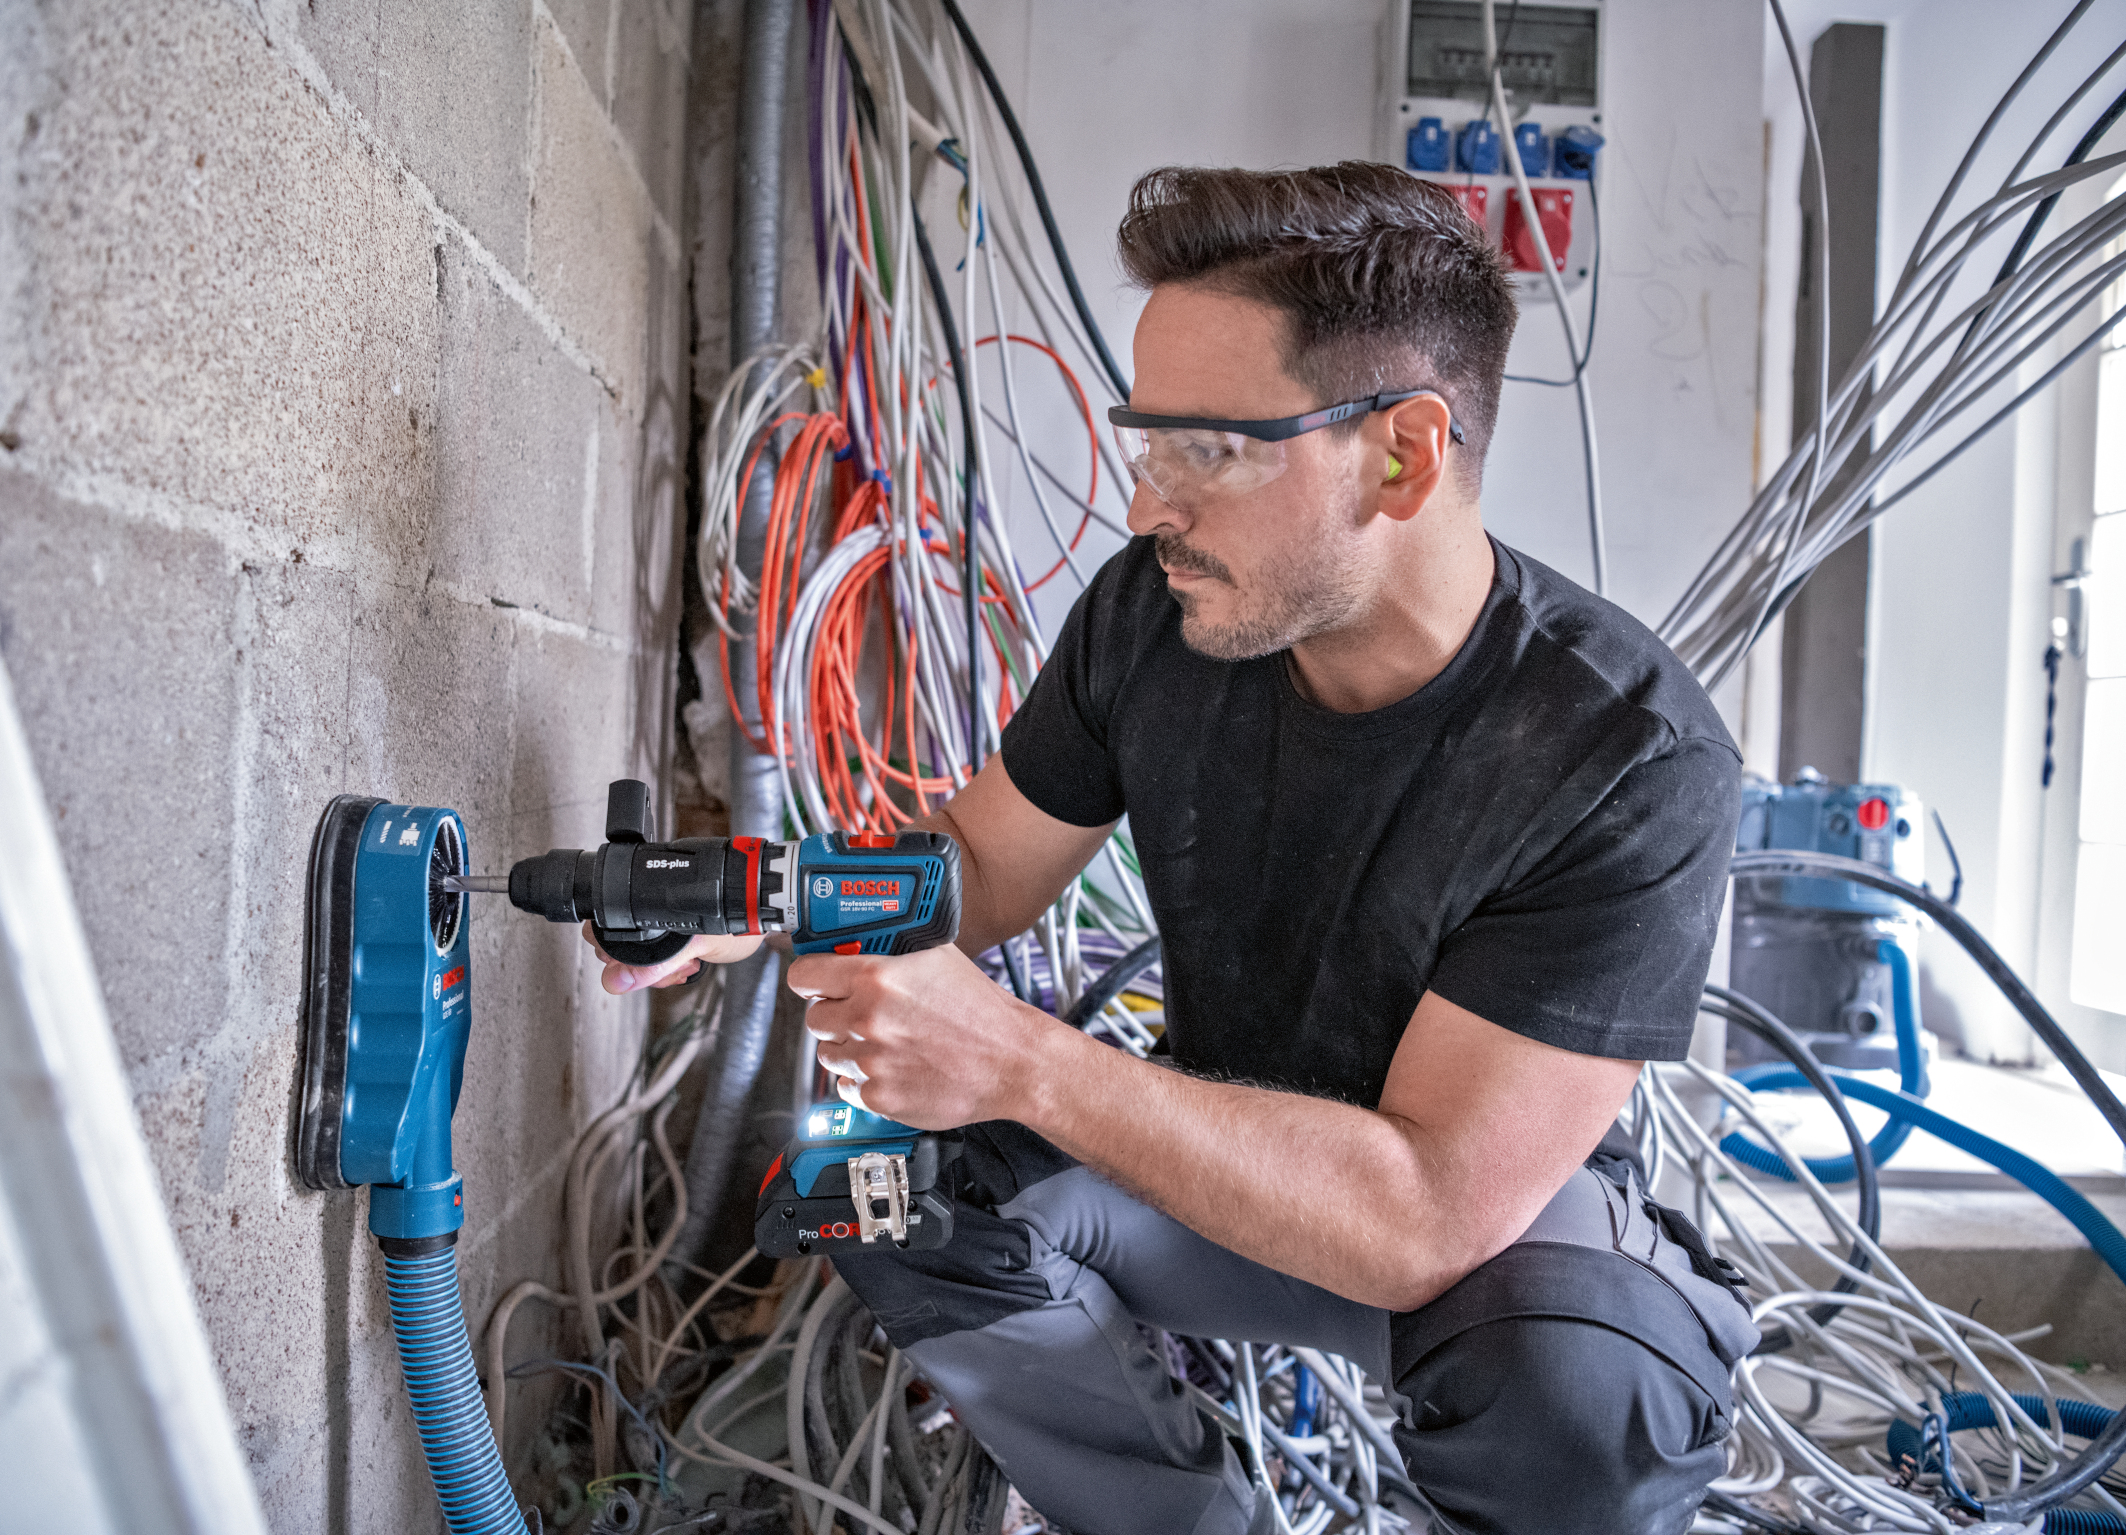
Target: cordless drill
x,y
838,892
850,1178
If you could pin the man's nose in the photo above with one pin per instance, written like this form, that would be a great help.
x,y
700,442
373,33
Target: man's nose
x,y
1149,514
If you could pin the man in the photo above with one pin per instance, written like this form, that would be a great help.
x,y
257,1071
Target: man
x,y
1436,841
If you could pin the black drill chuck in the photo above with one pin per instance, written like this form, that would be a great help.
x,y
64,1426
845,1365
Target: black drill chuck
x,y
695,885
646,899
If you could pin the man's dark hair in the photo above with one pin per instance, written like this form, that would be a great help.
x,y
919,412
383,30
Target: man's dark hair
x,y
1378,272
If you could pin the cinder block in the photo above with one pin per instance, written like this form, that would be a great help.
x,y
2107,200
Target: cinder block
x,y
590,224
649,94
290,664
498,1250
577,729
639,527
587,26
520,457
454,99
234,304
640,519
426,677
712,145
342,35
667,324
617,579
237,320
256,1262
117,638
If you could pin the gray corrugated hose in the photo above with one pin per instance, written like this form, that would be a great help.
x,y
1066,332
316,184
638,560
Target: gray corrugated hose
x,y
756,794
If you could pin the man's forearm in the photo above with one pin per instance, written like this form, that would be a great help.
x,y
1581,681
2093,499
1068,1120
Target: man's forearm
x,y
1346,1198
1479,1126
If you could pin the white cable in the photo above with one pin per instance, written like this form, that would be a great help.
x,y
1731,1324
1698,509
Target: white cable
x,y
1597,540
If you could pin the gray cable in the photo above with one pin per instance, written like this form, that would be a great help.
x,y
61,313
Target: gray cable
x,y
1932,372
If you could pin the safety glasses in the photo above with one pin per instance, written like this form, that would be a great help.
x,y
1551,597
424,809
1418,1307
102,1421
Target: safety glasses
x,y
1189,459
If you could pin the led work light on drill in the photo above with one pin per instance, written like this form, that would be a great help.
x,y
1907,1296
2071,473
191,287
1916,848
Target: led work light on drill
x,y
850,1178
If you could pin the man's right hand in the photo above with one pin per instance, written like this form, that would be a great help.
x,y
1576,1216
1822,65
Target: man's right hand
x,y
720,949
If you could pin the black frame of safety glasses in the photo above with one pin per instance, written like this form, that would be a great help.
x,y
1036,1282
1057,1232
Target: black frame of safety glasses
x,y
1283,427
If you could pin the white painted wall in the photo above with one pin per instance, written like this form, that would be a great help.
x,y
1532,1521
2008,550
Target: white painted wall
x,y
1959,604
1108,89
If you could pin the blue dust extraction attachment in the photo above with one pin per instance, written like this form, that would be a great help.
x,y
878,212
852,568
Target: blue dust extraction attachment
x,y
387,1009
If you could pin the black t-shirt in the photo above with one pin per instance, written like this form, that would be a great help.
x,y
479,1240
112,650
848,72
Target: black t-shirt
x,y
1540,833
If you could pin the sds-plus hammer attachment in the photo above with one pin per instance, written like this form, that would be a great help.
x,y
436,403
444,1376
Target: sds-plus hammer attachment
x,y
849,892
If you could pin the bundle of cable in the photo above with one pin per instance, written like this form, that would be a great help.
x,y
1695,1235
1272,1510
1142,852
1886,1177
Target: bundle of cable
x,y
1817,1413
1946,340
894,631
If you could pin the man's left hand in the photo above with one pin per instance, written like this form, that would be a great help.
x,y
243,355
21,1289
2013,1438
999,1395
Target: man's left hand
x,y
926,1039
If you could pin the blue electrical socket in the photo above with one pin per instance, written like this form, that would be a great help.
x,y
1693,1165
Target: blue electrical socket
x,y
1534,149
1573,153
1426,146
1476,147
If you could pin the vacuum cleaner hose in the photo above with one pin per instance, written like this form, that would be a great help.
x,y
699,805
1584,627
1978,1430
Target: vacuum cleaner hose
x,y
436,1356
1912,1072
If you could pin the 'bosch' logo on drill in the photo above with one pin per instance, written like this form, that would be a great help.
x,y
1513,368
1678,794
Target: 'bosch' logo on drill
x,y
449,979
823,887
871,887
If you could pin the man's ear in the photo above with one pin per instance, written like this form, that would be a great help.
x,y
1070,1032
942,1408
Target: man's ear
x,y
1415,463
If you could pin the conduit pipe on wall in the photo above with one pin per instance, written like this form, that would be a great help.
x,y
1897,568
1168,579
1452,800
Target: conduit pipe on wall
x,y
756,791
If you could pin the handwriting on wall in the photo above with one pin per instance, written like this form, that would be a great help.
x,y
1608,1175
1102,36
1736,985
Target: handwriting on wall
x,y
1685,243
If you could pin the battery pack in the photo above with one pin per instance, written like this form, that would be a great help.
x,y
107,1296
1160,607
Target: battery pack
x,y
855,1181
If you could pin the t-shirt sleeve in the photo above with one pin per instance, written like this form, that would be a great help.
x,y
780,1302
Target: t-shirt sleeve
x,y
1603,947
1055,745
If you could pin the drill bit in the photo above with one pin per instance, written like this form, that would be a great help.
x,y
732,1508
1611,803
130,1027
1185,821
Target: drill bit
x,y
476,884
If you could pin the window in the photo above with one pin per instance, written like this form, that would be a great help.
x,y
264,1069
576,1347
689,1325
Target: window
x,y
2097,974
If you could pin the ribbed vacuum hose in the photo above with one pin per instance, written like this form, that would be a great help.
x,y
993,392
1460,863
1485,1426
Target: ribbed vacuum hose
x,y
2082,1521
756,786
429,1319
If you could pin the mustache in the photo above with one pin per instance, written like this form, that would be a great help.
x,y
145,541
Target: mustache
x,y
1175,555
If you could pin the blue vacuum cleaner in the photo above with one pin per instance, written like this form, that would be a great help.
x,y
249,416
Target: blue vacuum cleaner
x,y
387,1009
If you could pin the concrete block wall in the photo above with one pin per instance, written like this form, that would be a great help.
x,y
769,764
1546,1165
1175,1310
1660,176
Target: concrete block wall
x,y
344,355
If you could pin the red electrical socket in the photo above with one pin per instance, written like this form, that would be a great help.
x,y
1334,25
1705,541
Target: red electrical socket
x,y
1474,199
1553,205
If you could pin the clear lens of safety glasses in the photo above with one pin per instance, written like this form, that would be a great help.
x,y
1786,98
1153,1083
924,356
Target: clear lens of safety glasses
x,y
1188,465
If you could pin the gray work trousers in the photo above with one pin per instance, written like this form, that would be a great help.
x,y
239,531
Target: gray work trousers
x,y
1578,1382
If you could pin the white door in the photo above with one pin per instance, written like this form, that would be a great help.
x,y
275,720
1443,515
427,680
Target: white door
x,y
2083,943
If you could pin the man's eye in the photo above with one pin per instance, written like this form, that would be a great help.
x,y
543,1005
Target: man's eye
x,y
1206,452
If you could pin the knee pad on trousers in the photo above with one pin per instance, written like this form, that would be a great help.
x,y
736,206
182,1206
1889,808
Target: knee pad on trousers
x,y
1562,1426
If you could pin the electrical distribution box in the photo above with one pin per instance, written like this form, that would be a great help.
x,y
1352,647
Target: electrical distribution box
x,y
1436,120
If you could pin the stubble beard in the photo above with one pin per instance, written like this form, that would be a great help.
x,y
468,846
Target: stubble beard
x,y
1293,602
